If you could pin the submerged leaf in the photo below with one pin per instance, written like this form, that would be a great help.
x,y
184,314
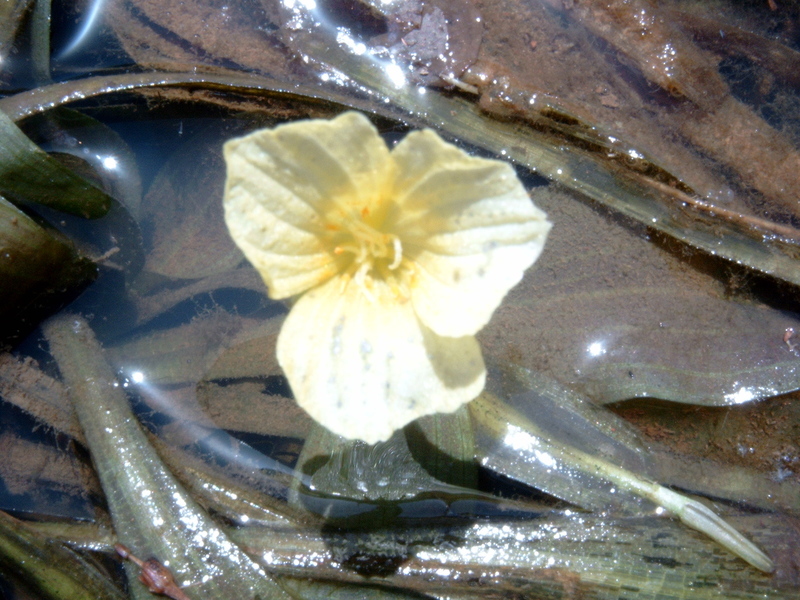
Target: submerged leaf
x,y
53,571
615,316
42,481
28,174
111,159
39,270
149,305
517,447
179,355
251,407
561,555
153,514
40,40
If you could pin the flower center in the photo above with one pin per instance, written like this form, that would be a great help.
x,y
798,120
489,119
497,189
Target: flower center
x,y
369,244
373,251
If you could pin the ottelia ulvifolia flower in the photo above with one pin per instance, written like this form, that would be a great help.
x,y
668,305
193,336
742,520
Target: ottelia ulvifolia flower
x,y
398,259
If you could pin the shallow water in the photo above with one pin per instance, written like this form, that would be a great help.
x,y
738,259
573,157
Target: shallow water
x,y
615,309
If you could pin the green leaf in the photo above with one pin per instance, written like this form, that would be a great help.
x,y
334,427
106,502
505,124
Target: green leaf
x,y
152,513
28,174
111,162
53,571
39,271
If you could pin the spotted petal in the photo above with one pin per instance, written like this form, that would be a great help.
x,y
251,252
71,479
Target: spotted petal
x,y
363,365
283,184
469,228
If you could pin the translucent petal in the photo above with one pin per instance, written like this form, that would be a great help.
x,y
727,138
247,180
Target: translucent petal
x,y
362,364
469,228
285,184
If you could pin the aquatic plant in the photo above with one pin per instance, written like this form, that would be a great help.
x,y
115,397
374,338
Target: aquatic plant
x,y
608,313
400,257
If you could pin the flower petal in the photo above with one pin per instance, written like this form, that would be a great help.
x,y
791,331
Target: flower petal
x,y
283,185
363,365
468,227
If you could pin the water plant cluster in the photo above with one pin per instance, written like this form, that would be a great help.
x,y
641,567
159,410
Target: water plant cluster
x,y
149,418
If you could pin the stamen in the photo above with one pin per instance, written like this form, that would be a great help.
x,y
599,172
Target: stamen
x,y
361,281
357,250
398,253
371,250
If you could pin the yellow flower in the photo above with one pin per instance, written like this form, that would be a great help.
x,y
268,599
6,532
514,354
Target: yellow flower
x,y
399,258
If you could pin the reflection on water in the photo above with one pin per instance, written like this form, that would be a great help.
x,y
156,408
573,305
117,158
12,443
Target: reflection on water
x,y
596,349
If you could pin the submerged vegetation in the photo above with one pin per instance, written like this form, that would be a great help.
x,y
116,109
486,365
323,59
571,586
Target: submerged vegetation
x,y
662,141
